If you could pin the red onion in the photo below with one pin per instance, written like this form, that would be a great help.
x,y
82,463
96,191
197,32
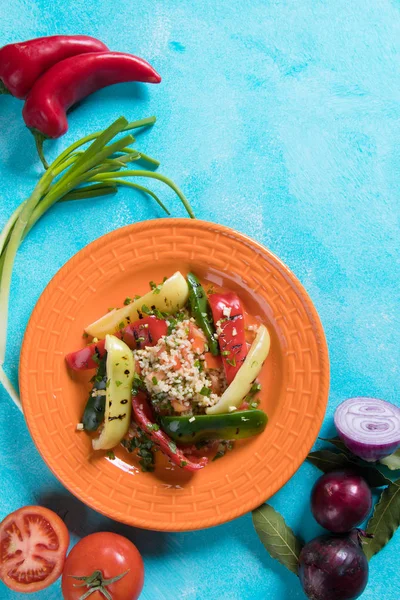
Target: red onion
x,y
369,427
340,500
333,568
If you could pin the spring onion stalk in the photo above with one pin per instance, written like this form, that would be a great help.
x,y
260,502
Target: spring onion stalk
x,y
75,175
104,176
141,188
89,138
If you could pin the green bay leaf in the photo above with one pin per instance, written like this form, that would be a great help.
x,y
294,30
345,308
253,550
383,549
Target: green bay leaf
x,y
392,462
278,539
327,461
337,442
384,521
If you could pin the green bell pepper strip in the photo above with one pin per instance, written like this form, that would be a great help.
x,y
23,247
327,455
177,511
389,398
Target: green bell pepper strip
x,y
200,309
229,426
93,415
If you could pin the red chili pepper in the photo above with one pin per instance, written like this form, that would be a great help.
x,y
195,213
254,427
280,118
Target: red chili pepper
x,y
67,82
23,63
145,332
228,310
144,418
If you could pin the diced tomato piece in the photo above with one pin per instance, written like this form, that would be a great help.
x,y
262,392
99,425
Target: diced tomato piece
x,y
198,337
178,407
212,362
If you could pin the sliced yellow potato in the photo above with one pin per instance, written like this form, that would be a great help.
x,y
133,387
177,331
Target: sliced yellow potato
x,y
250,369
117,415
172,296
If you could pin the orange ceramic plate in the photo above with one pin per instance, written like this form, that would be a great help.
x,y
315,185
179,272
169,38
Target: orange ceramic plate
x,y
295,377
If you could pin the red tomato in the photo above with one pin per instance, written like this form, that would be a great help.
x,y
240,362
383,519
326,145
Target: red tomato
x,y
197,338
33,544
118,564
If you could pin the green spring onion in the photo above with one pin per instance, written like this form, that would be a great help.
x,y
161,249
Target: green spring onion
x,y
75,175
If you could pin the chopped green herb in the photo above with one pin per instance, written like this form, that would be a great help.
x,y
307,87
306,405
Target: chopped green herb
x,y
254,363
198,365
96,358
153,427
137,384
146,310
223,448
256,387
98,378
110,309
225,353
111,455
231,362
121,325
205,391
210,290
219,454
154,380
128,301
85,335
141,339
172,447
152,285
183,463
145,449
164,279
118,383
254,404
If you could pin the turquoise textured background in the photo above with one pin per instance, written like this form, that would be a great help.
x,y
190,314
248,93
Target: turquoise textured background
x,y
280,119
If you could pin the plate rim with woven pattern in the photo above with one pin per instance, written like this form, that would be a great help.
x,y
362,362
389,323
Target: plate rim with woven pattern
x,y
295,396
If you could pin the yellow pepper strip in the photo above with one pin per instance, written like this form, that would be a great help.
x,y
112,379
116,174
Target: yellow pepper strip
x,y
169,298
117,415
241,385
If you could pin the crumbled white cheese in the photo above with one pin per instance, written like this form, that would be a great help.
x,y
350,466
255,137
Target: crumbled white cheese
x,y
192,419
95,340
79,427
226,311
172,371
232,408
234,331
252,328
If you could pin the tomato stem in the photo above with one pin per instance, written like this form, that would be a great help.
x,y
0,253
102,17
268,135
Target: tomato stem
x,y
96,583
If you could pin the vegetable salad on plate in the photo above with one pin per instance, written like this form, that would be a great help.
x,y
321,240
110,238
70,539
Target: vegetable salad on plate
x,y
176,372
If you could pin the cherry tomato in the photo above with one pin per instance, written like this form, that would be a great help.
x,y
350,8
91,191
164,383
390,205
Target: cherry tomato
x,y
33,544
103,561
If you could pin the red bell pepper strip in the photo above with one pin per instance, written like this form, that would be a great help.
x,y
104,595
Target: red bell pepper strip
x,y
23,63
145,332
228,318
144,418
72,79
